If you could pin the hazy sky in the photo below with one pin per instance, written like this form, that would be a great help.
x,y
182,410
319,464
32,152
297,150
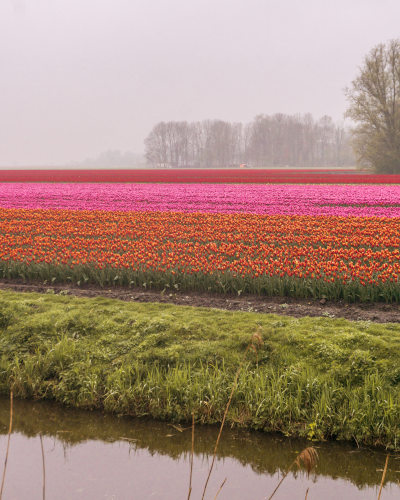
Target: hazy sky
x,y
78,77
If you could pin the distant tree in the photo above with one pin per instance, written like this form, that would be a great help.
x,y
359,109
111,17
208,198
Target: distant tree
x,y
374,98
198,143
326,132
156,145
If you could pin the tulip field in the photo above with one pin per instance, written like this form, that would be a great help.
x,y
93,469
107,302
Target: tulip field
x,y
337,241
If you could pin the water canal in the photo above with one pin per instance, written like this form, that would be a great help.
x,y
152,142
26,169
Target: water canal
x,y
93,456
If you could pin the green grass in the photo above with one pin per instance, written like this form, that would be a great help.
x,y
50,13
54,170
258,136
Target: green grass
x,y
318,377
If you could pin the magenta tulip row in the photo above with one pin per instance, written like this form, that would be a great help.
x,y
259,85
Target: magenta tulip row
x,y
271,199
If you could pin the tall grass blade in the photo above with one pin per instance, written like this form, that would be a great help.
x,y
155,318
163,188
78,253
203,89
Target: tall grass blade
x,y
220,488
44,468
255,340
309,457
8,444
383,477
191,458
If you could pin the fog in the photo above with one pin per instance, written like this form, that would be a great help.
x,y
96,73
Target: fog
x,y
79,77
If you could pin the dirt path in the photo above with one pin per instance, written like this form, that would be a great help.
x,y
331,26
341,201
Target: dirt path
x,y
286,306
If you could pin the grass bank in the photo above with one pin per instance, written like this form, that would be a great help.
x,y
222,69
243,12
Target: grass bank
x,y
315,377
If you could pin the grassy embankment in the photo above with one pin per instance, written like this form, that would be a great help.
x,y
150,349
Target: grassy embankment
x,y
318,377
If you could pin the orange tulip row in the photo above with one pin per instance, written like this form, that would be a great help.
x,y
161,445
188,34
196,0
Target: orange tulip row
x,y
332,249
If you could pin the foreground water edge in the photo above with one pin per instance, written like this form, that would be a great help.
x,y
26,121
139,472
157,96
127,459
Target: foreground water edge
x,y
93,455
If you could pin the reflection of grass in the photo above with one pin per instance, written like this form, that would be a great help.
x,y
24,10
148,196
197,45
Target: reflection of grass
x,y
317,377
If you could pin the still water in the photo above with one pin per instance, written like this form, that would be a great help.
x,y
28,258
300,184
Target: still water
x,y
92,456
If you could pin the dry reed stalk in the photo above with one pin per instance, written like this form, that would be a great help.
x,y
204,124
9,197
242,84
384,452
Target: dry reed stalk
x,y
44,468
383,477
254,342
8,444
220,488
306,493
309,457
191,458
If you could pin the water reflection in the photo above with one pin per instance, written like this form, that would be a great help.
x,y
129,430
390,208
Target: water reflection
x,y
94,456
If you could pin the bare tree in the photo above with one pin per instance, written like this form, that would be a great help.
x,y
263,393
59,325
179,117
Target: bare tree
x,y
156,146
374,98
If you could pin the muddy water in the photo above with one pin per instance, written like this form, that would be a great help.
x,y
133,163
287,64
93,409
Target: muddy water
x,y
93,456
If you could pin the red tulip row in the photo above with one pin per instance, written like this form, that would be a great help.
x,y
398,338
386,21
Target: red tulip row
x,y
199,176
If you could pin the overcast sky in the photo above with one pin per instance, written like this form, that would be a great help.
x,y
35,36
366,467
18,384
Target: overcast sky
x,y
78,77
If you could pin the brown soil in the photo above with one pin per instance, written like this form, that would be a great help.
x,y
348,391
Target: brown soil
x,y
285,306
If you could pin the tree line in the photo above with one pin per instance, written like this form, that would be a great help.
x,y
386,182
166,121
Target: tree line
x,y
268,141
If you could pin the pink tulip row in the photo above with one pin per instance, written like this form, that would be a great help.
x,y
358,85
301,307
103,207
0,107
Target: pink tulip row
x,y
265,199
